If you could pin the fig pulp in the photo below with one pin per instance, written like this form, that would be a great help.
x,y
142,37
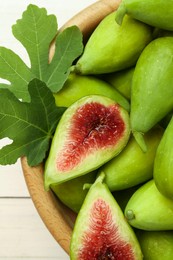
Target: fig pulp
x,y
101,231
92,131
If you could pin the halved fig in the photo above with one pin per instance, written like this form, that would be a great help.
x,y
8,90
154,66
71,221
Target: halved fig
x,y
91,131
101,231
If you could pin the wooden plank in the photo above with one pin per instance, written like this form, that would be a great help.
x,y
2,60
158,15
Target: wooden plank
x,y
12,181
23,234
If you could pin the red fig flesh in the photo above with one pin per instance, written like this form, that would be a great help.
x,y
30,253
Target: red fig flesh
x,y
102,239
94,126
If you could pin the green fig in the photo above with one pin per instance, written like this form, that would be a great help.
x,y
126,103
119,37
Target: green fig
x,y
152,87
122,81
78,86
91,131
153,12
156,245
71,192
148,209
132,166
163,165
112,47
101,231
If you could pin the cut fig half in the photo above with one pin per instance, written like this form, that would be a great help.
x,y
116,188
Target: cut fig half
x,y
91,131
101,231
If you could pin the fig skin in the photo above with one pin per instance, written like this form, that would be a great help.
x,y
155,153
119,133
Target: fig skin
x,y
101,231
149,210
152,12
103,52
91,131
163,164
152,87
121,80
71,193
78,86
132,166
156,244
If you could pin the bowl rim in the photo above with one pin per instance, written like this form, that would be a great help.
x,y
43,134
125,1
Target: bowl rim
x,y
58,219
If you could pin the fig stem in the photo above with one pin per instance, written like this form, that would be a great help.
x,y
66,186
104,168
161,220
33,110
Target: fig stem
x,y
140,140
99,179
76,68
130,214
72,68
119,14
87,186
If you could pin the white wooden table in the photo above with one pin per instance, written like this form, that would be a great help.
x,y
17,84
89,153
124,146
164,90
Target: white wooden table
x,y
22,232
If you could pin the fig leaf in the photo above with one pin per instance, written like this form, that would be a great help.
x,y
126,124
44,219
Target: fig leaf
x,y
35,31
68,47
29,125
18,74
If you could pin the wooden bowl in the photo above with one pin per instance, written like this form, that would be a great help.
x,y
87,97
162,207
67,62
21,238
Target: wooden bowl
x,y
59,219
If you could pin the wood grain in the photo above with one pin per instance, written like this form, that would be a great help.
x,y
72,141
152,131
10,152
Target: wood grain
x,y
22,233
89,18
58,219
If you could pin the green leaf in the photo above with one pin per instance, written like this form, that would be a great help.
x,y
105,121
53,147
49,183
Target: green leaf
x,y
68,47
29,125
35,31
13,69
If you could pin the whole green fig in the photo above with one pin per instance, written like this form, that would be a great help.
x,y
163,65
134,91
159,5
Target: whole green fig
x,y
152,87
78,86
112,47
132,166
148,209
